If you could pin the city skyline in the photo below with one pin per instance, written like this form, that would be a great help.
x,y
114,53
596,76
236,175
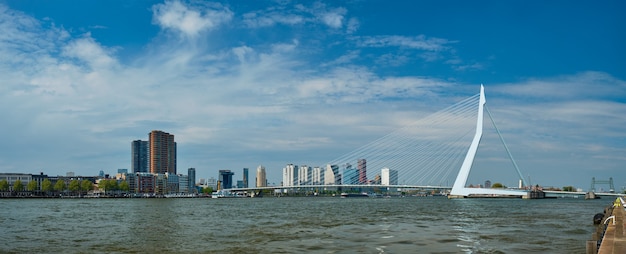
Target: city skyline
x,y
270,83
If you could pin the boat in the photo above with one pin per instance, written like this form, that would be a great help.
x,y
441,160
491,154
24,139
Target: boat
x,y
354,195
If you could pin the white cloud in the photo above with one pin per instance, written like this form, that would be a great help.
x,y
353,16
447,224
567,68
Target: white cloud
x,y
352,26
265,19
317,13
190,20
420,42
86,49
333,18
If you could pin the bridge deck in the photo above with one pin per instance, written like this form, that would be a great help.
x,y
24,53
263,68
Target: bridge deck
x,y
614,240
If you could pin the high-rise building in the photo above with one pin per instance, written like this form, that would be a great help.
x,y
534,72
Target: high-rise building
x,y
245,178
261,181
162,153
140,156
304,175
316,176
290,175
388,176
226,179
350,175
331,175
191,179
362,167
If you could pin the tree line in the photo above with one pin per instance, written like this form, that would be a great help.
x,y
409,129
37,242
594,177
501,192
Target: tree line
x,y
59,187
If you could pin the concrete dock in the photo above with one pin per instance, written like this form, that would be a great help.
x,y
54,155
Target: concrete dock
x,y
614,239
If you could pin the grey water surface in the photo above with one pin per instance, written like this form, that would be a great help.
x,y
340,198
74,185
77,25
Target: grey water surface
x,y
297,225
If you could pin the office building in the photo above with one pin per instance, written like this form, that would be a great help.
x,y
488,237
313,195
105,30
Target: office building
x,y
162,153
261,180
316,176
140,156
350,175
331,175
304,175
245,178
290,175
226,179
362,168
191,180
388,176
183,184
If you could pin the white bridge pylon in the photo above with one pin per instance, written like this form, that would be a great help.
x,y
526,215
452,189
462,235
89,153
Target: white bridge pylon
x,y
459,189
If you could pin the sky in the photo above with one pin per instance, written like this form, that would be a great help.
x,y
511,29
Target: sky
x,y
248,83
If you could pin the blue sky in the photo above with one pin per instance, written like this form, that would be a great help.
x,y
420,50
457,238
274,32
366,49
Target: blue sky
x,y
245,83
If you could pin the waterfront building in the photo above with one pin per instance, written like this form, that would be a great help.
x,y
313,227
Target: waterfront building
x,y
212,182
131,179
304,175
376,179
140,156
362,168
146,183
162,152
350,175
239,183
183,184
245,178
172,183
226,179
70,174
316,176
38,178
261,180
388,176
290,175
160,184
488,184
191,180
11,178
331,175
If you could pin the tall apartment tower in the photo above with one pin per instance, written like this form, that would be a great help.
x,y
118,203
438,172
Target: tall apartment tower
x,y
261,181
191,178
162,153
362,167
140,156
388,176
245,177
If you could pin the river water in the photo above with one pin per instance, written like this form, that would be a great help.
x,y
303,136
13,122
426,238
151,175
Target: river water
x,y
296,225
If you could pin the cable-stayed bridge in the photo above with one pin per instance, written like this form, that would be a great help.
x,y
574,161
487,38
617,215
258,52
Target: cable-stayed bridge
x,y
435,152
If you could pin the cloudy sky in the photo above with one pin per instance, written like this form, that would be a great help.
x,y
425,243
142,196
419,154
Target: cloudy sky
x,y
248,83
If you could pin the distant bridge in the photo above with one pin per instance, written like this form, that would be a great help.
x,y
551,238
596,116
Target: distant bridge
x,y
426,154
344,186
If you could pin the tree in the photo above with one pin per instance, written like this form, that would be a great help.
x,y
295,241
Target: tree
x,y
74,186
108,185
18,186
32,186
497,185
46,186
86,185
569,188
4,185
123,186
207,190
59,185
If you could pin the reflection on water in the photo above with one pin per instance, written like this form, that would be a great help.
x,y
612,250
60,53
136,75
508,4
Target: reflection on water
x,y
290,225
